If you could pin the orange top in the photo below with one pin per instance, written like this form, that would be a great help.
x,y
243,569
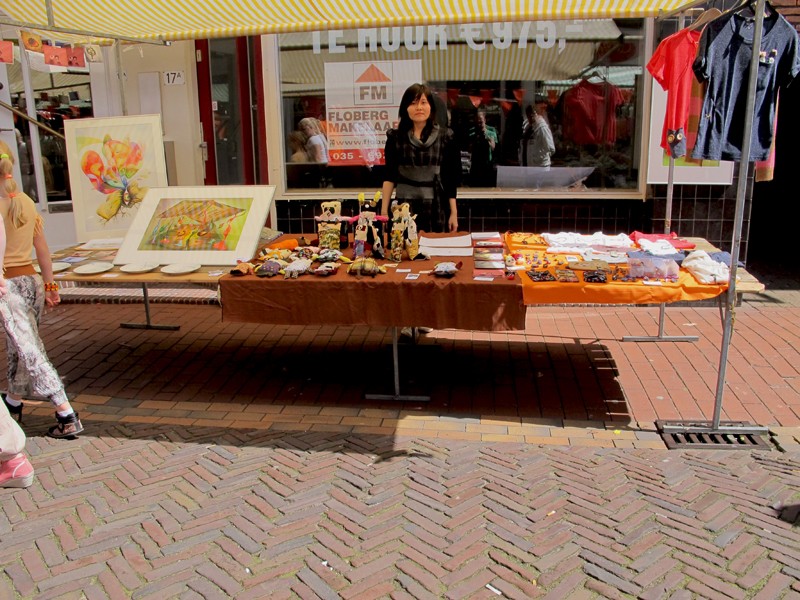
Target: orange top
x,y
19,241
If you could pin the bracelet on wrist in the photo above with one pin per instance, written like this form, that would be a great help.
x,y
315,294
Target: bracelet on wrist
x,y
51,287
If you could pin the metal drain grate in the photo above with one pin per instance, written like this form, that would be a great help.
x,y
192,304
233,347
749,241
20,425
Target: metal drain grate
x,y
732,435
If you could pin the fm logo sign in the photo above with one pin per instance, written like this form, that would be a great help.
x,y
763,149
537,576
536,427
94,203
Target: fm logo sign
x,y
373,85
372,93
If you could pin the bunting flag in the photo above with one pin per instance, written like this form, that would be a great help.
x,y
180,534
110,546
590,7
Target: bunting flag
x,y
75,57
6,52
55,56
30,41
193,19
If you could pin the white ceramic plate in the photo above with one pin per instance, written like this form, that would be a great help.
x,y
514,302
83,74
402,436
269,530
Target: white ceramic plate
x,y
138,267
179,269
60,266
93,268
57,267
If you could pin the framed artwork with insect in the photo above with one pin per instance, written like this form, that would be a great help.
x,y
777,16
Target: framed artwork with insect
x,y
113,162
210,225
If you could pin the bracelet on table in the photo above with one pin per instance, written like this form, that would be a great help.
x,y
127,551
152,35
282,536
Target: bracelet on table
x,y
51,287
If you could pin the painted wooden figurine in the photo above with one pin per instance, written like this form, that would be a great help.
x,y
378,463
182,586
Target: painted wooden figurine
x,y
329,225
368,231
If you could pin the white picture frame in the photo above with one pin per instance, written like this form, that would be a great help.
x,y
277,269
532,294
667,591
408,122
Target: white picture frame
x,y
704,172
209,225
112,161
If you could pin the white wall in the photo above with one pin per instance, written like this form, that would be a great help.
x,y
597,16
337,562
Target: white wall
x,y
180,114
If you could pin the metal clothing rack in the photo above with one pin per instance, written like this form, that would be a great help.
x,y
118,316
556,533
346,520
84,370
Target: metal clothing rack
x,y
715,426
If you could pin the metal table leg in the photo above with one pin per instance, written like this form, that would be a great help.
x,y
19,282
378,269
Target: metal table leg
x,y
397,396
148,324
660,337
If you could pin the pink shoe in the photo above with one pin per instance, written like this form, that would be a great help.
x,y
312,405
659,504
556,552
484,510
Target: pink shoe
x,y
16,473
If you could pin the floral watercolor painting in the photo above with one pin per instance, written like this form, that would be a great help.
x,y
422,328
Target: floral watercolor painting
x,y
113,162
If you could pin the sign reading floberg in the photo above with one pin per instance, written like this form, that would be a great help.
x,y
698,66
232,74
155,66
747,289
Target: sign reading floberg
x,y
361,100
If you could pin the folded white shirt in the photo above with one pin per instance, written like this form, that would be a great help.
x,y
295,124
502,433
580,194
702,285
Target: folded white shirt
x,y
705,269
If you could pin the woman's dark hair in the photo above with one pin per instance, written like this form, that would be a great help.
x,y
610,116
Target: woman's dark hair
x,y
411,95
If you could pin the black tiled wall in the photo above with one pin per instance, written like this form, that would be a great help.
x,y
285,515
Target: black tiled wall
x,y
697,211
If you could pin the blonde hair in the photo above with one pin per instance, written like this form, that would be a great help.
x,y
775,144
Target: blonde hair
x,y
314,124
9,185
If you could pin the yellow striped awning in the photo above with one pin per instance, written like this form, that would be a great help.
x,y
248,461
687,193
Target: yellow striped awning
x,y
197,19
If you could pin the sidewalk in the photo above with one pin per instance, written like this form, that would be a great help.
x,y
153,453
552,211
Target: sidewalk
x,y
234,460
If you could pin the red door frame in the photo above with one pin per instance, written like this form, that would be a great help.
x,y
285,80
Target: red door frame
x,y
261,129
206,110
245,95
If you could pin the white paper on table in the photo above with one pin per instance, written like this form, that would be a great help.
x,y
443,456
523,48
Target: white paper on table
x,y
102,244
445,251
456,241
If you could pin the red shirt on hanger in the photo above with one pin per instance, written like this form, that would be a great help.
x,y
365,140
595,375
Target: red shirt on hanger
x,y
671,67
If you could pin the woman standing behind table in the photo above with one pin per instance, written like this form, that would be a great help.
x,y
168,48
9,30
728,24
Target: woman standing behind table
x,y
29,369
422,163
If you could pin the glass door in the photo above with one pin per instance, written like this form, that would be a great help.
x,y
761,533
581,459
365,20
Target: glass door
x,y
228,110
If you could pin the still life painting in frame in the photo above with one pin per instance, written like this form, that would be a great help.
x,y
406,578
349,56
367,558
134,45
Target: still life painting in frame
x,y
113,161
210,225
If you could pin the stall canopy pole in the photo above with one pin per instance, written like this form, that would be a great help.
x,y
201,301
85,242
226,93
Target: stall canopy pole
x,y
741,189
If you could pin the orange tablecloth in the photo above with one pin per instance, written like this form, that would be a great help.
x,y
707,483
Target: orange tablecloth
x,y
687,288
617,292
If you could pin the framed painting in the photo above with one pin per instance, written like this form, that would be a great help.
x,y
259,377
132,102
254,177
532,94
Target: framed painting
x,y
687,170
112,161
210,225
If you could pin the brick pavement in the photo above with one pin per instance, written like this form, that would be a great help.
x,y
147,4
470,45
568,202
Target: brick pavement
x,y
235,460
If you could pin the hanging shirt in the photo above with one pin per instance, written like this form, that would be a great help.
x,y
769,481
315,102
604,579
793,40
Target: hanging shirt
x,y
590,113
723,59
671,67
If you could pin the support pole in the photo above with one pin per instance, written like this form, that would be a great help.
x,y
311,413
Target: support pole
x,y
397,396
148,324
741,190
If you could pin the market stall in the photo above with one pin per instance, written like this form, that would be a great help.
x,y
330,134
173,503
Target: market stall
x,y
162,20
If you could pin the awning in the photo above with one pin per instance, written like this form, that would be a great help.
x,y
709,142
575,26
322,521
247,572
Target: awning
x,y
197,19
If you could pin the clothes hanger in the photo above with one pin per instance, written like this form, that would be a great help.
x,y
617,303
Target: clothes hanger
x,y
595,73
705,18
748,4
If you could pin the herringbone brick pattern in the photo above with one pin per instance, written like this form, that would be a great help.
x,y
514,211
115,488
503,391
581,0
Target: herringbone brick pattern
x,y
146,511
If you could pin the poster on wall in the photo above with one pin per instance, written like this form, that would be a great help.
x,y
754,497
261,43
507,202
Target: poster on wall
x,y
210,225
112,162
687,170
361,100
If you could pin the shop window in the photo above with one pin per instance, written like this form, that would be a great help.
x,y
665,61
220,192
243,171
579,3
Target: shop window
x,y
537,105
58,95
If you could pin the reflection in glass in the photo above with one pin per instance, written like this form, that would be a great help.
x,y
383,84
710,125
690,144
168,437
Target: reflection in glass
x,y
545,105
